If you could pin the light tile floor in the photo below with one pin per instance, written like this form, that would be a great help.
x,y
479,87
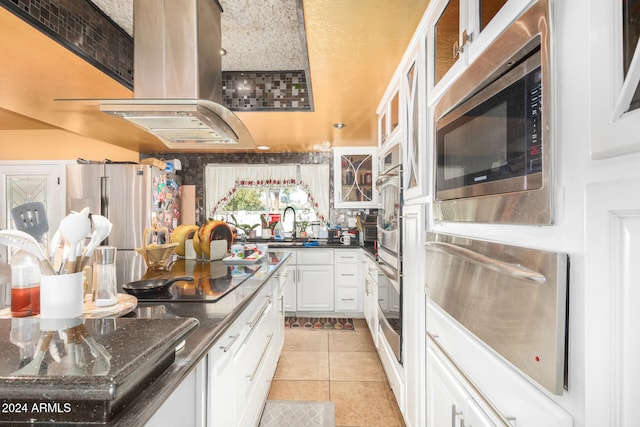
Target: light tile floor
x,y
338,366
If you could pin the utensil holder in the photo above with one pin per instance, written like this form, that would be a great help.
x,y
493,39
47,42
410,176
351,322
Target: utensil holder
x,y
61,296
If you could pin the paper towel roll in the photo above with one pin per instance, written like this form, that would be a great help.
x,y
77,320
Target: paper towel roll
x,y
188,204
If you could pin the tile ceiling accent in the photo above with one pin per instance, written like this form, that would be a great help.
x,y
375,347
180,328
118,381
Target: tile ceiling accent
x,y
265,35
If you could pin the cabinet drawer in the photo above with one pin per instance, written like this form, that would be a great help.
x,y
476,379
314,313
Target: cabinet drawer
x,y
315,256
346,256
346,299
347,274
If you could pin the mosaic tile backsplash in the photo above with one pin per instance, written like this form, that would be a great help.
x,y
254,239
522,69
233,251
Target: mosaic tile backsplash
x,y
193,166
81,27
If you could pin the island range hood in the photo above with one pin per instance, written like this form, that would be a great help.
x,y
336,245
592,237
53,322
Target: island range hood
x,y
177,77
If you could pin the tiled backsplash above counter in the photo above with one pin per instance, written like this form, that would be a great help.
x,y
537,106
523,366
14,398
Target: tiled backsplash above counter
x,y
193,167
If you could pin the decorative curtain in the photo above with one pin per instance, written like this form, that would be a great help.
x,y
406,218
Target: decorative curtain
x,y
222,181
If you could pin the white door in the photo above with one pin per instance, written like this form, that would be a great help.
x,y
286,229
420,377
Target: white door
x,y
32,182
22,182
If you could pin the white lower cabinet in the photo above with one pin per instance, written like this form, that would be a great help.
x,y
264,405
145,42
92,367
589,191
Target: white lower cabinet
x,y
371,298
449,398
186,406
348,281
315,288
220,408
252,367
310,281
290,287
243,361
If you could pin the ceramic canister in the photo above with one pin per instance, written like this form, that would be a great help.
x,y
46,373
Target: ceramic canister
x,y
237,250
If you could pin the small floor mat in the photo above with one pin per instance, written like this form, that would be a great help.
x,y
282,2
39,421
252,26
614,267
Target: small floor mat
x,y
297,413
319,323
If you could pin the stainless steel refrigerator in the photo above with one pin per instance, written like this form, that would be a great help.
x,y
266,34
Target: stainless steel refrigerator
x,y
132,197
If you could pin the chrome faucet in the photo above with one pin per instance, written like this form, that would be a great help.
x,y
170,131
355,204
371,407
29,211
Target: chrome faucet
x,y
284,223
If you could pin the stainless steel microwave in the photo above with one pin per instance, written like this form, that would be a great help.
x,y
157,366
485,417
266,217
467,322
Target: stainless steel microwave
x,y
493,135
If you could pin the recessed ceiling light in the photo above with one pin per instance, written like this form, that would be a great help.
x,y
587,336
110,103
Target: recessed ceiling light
x,y
263,147
339,125
223,52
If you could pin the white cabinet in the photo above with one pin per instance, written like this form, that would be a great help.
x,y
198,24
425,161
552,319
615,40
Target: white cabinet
x,y
460,29
280,283
389,116
290,285
186,406
220,401
315,288
612,81
243,361
252,365
449,403
348,281
310,282
371,297
354,175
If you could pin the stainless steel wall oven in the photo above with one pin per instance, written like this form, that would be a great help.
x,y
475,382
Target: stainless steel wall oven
x,y
389,186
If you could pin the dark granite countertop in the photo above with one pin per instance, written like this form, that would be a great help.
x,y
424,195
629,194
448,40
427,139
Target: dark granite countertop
x,y
69,370
214,319
213,316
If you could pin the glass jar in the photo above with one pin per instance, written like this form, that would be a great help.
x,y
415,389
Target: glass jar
x,y
25,285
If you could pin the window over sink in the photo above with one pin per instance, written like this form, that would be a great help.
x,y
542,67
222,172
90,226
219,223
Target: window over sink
x,y
249,194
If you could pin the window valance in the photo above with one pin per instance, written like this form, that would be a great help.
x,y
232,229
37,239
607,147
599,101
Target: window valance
x,y
222,181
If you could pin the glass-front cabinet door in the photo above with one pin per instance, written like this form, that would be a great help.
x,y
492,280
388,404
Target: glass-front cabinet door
x,y
354,175
615,78
414,181
458,32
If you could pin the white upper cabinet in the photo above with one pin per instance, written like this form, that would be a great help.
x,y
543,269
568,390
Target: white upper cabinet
x,y
413,88
354,175
459,30
615,72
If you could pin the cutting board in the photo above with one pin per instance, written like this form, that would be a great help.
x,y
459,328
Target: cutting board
x,y
126,304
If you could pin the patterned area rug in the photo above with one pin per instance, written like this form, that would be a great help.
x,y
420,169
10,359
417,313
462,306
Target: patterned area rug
x,y
319,323
292,413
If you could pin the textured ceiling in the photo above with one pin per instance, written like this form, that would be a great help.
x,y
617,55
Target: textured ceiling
x,y
264,35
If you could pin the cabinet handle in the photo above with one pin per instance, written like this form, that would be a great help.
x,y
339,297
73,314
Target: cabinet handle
x,y
458,46
266,347
253,321
228,346
348,299
454,414
347,274
281,304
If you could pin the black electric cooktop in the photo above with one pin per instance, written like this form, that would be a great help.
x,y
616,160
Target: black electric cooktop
x,y
211,281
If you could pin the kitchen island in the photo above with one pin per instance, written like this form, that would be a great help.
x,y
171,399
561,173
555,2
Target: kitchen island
x,y
245,308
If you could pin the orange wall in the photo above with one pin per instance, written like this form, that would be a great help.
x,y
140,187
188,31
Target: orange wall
x,y
55,144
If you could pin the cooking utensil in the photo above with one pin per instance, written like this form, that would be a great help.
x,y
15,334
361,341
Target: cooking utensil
x,y
153,286
31,218
102,358
21,240
73,228
32,368
101,229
